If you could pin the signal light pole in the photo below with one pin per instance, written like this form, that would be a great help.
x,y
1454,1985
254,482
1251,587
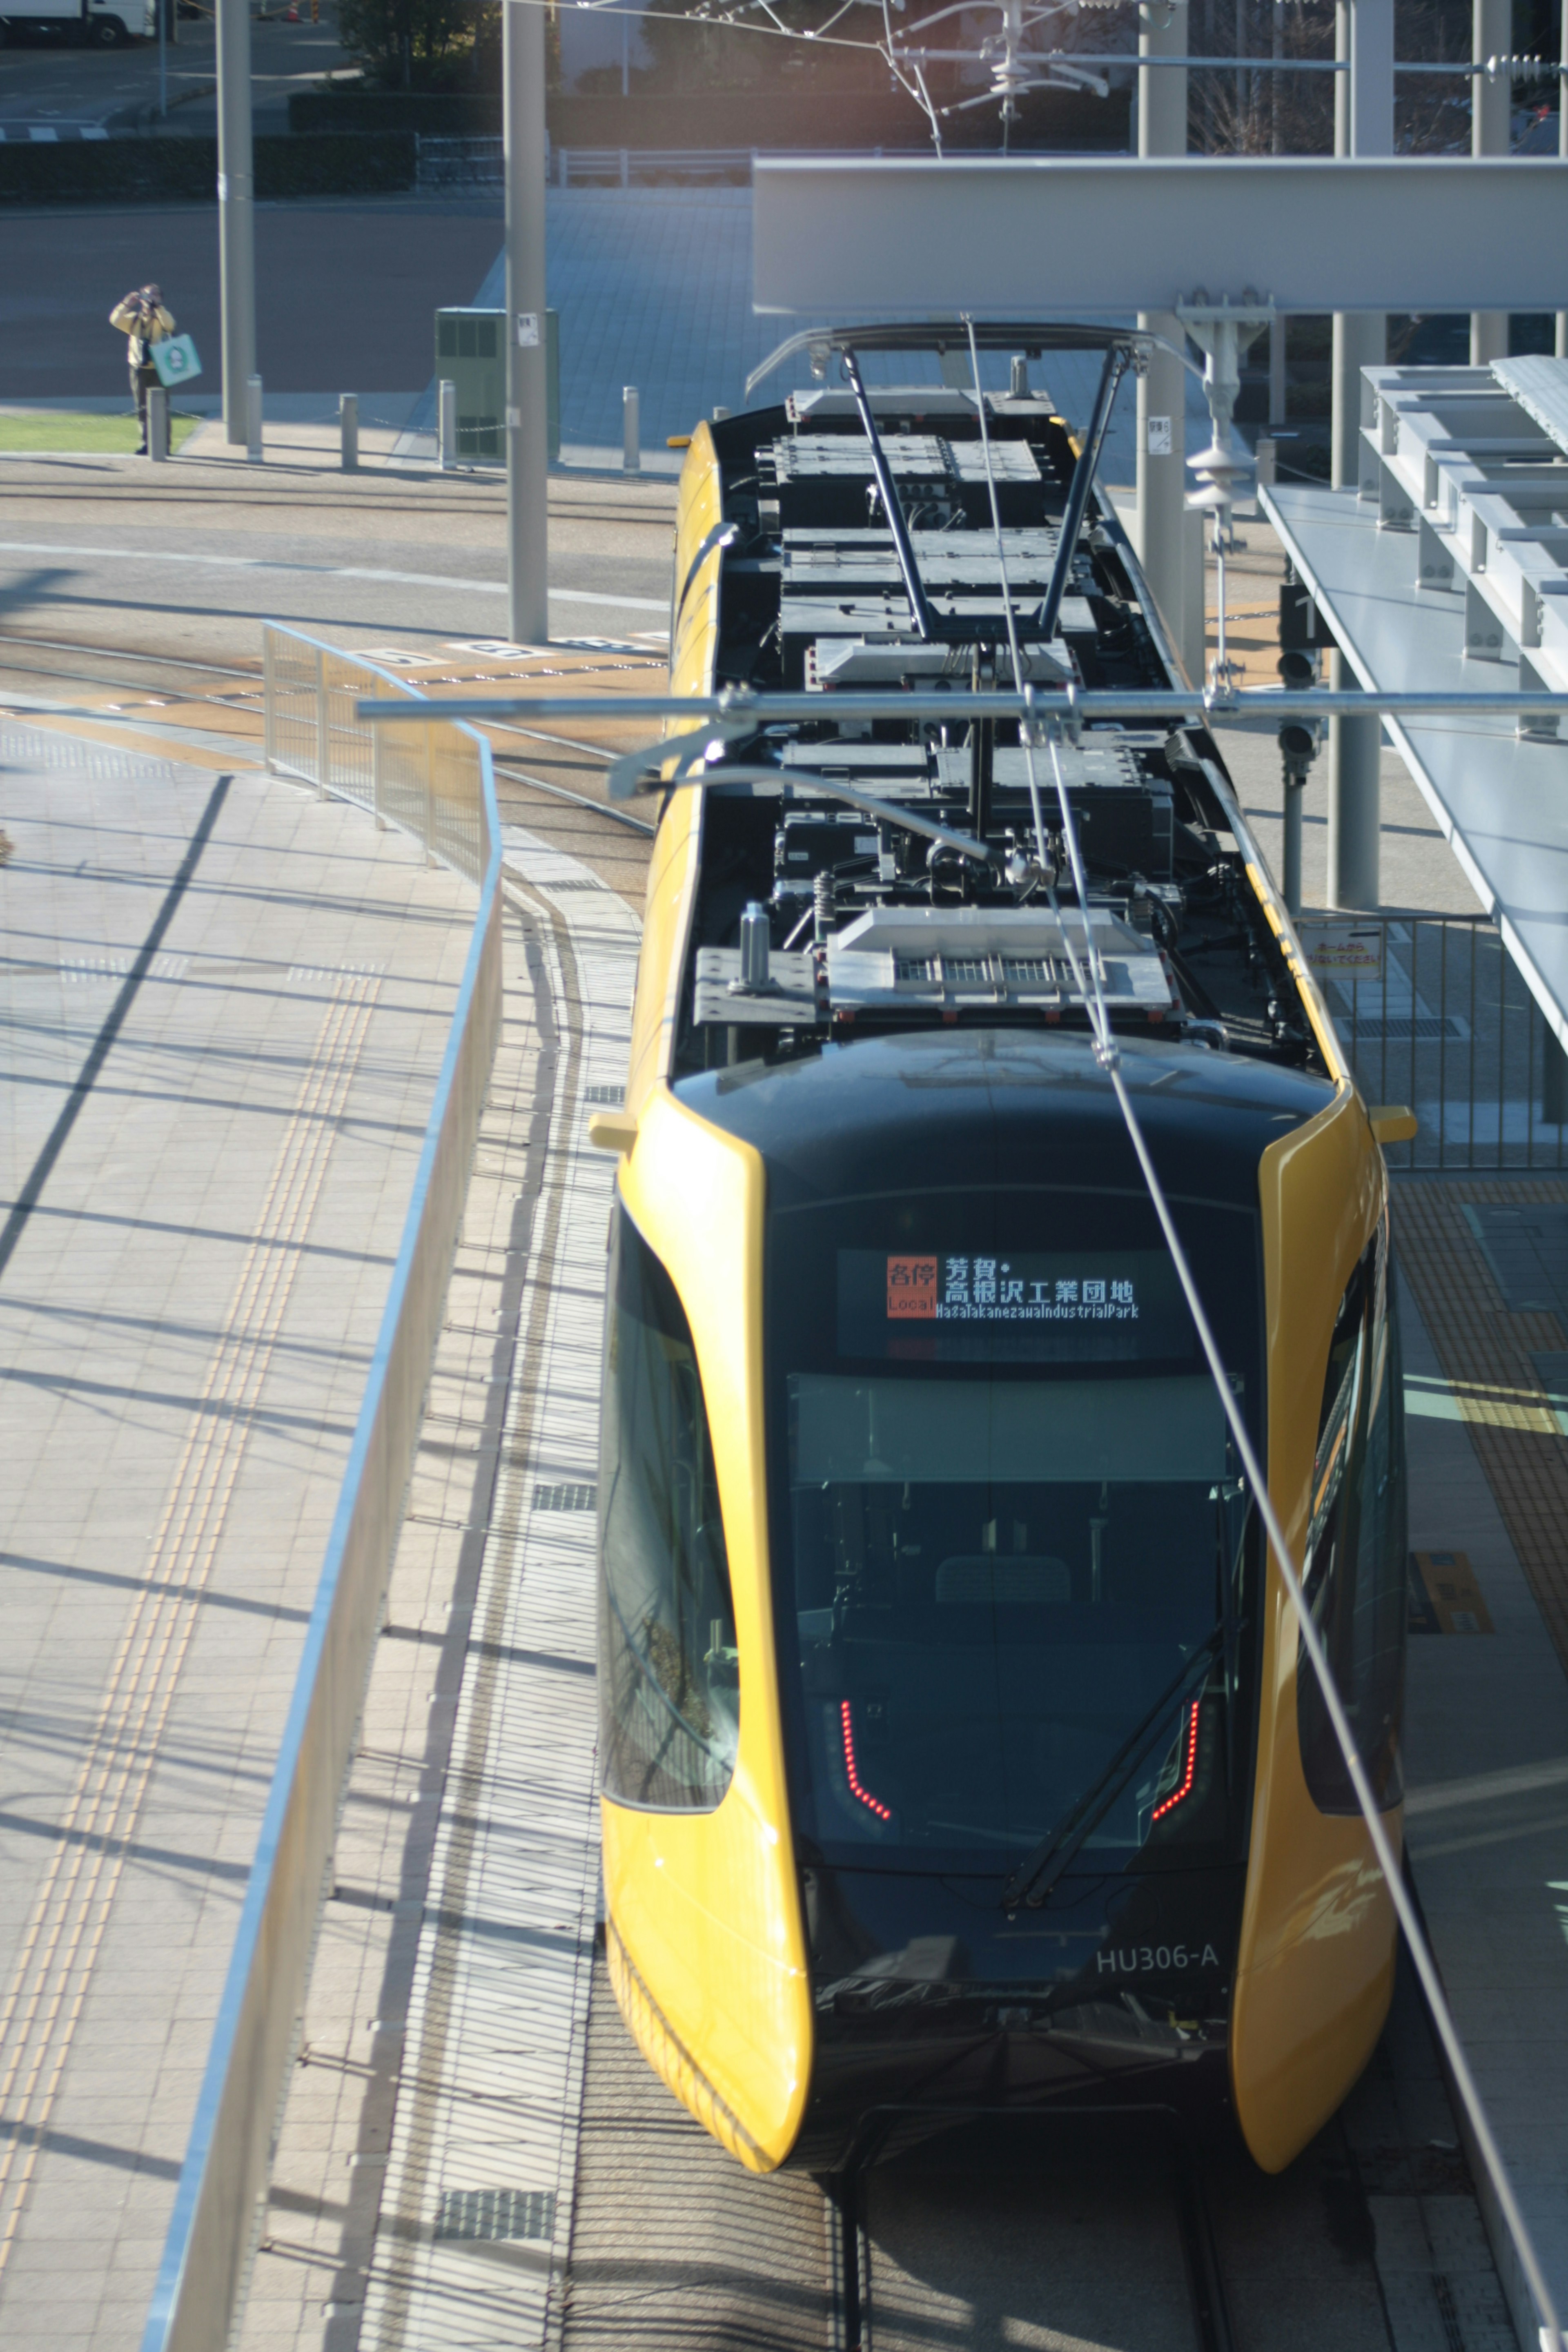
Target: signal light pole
x,y
527,371
236,214
1491,106
1364,125
1165,541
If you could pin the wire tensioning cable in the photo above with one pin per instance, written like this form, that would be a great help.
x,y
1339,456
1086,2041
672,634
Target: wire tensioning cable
x,y
1109,1058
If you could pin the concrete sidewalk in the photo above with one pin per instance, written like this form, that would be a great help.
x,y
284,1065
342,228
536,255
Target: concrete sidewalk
x,y
224,1005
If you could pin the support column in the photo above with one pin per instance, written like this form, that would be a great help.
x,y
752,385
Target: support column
x,y
1164,543
236,215
1355,757
1364,125
1491,103
528,382
1563,151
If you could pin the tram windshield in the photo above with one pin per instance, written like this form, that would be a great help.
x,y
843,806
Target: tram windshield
x,y
1009,1548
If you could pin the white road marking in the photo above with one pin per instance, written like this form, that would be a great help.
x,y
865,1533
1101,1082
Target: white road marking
x,y
326,572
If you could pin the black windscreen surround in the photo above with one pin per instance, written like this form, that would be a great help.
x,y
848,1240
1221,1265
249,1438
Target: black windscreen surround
x,y
1007,1537
669,1672
1355,1569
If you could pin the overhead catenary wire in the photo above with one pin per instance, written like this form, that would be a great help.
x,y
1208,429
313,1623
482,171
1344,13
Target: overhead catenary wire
x,y
1107,1054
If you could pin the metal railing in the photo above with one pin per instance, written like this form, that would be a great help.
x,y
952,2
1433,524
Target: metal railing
x,y
1450,1026
425,778
459,162
641,167
434,780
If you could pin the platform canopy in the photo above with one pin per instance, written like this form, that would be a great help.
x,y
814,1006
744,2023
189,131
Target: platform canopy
x,y
1106,235
1449,570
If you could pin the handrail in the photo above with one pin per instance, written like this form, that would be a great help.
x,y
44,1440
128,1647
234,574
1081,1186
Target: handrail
x,y
438,785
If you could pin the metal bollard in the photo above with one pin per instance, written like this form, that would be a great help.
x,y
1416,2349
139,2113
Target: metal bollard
x,y
447,410
157,421
348,426
720,414
1019,388
631,429
253,420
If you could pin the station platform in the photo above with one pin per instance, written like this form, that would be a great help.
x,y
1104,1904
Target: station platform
x,y
225,1006
1485,1308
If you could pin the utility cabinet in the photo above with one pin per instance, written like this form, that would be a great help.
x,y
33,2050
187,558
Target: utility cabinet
x,y
470,352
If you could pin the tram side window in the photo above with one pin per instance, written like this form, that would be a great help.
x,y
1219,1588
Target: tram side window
x,y
669,1685
1355,1562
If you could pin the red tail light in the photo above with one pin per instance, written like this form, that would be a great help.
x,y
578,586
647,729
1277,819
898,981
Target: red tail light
x,y
1183,1787
872,1804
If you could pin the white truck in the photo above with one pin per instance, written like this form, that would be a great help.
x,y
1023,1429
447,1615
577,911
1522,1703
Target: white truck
x,y
100,23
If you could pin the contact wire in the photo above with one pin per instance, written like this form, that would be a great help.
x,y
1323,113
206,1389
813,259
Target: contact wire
x,y
1107,1054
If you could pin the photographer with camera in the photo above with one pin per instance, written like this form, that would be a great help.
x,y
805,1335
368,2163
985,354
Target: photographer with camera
x,y
142,317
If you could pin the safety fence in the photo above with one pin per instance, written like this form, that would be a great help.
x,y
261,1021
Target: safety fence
x,y
1435,1013
481,164
434,780
459,163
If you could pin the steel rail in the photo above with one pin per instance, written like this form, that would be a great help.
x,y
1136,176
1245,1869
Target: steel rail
x,y
503,761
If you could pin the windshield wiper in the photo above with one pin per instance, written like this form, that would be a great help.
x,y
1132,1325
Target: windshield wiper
x,y
1034,1880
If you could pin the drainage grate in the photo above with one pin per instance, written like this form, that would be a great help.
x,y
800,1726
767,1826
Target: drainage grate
x,y
571,1496
612,1095
494,2214
566,882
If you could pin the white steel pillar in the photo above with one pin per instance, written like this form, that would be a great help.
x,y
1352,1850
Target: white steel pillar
x,y
236,215
1491,103
528,381
1563,151
1165,541
1364,125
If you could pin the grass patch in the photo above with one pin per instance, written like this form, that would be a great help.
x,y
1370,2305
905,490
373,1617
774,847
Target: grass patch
x,y
54,430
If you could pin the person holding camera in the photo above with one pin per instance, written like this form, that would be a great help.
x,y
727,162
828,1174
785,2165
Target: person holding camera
x,y
142,317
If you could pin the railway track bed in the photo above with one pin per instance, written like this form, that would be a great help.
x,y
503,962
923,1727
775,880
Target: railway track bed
x,y
1068,2237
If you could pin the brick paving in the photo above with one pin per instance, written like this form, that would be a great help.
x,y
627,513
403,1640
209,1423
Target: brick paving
x,y
1485,1352
186,1319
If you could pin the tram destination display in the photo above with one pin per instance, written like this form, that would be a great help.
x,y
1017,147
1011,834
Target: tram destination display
x,y
991,1307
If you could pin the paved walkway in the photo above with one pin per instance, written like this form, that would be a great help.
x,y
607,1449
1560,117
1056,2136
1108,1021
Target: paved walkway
x,y
1486,1285
424,2186
224,1008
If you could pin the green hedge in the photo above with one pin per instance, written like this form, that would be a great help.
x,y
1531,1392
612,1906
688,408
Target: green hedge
x,y
184,171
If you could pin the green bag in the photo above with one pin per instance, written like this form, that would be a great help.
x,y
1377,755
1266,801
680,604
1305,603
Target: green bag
x,y
175,359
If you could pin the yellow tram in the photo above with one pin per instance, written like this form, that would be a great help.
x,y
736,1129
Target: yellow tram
x,y
958,1755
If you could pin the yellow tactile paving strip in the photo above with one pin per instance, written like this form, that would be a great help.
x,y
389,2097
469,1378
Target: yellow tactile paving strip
x,y
42,2005
1485,1353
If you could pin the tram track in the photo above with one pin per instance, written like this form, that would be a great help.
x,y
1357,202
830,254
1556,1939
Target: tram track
x,y
175,690
1072,2234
